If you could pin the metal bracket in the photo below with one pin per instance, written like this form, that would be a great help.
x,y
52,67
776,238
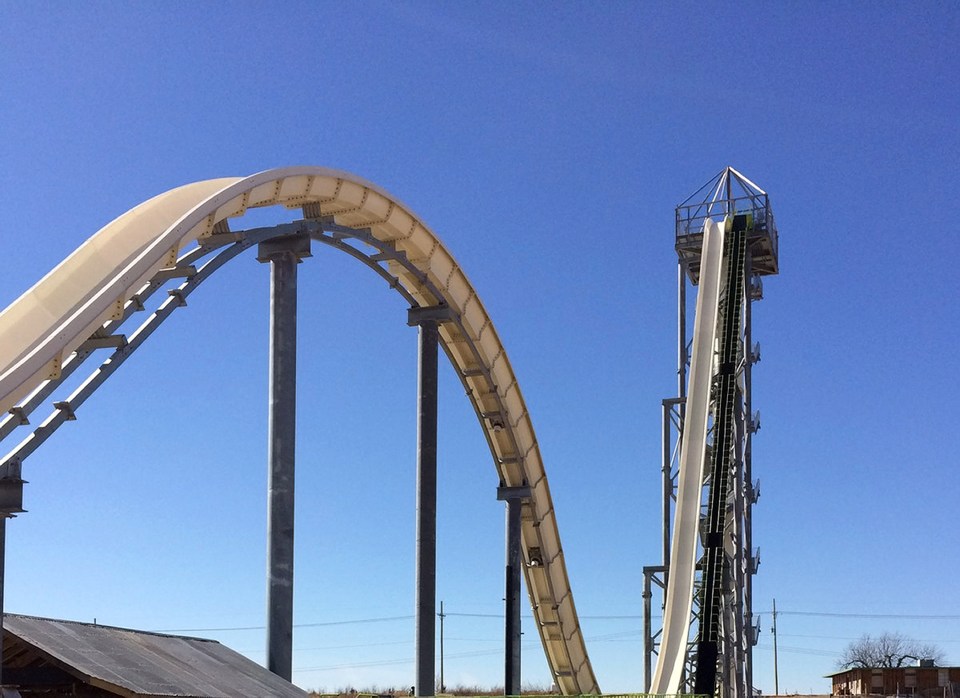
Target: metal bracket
x,y
114,341
753,633
20,414
496,419
438,313
505,493
298,245
67,409
219,239
312,210
179,296
11,490
184,272
11,496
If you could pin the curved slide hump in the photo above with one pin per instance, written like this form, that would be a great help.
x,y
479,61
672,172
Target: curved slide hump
x,y
686,524
94,285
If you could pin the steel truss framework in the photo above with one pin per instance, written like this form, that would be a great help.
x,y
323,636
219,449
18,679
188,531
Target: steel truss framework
x,y
192,268
727,194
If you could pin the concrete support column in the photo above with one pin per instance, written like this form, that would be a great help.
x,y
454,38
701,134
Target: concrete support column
x,y
426,553
283,255
514,497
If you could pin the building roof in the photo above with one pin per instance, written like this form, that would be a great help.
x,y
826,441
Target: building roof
x,y
148,665
890,668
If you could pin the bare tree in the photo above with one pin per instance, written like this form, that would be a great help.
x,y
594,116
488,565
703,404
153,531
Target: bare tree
x,y
887,650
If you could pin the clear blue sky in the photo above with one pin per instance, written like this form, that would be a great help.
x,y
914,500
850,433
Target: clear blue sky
x,y
547,144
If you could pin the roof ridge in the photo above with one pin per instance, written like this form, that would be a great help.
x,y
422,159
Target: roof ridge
x,y
107,627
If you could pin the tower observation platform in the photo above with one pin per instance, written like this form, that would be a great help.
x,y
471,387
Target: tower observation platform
x,y
727,194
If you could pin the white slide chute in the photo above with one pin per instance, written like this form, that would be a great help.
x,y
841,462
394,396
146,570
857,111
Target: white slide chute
x,y
98,282
669,674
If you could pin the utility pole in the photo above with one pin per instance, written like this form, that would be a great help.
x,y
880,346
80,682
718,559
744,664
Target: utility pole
x,y
442,615
776,677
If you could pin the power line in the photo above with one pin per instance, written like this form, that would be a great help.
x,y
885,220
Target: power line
x,y
358,621
802,650
530,617
456,655
825,614
904,616
476,615
389,662
499,616
815,637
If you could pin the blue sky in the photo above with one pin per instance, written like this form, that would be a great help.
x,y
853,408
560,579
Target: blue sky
x,y
547,144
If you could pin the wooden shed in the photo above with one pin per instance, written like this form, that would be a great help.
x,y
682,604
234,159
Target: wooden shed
x,y
53,658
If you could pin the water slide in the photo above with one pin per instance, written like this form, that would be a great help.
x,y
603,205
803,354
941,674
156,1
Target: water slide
x,y
101,283
669,674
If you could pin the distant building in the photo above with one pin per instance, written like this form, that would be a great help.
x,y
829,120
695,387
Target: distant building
x,y
54,658
926,680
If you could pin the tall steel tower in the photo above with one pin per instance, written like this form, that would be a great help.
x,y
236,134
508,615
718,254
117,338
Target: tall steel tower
x,y
723,630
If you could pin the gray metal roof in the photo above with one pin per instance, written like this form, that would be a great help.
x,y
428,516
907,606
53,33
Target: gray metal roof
x,y
135,663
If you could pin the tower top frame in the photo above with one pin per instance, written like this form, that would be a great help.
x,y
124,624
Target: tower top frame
x,y
727,193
